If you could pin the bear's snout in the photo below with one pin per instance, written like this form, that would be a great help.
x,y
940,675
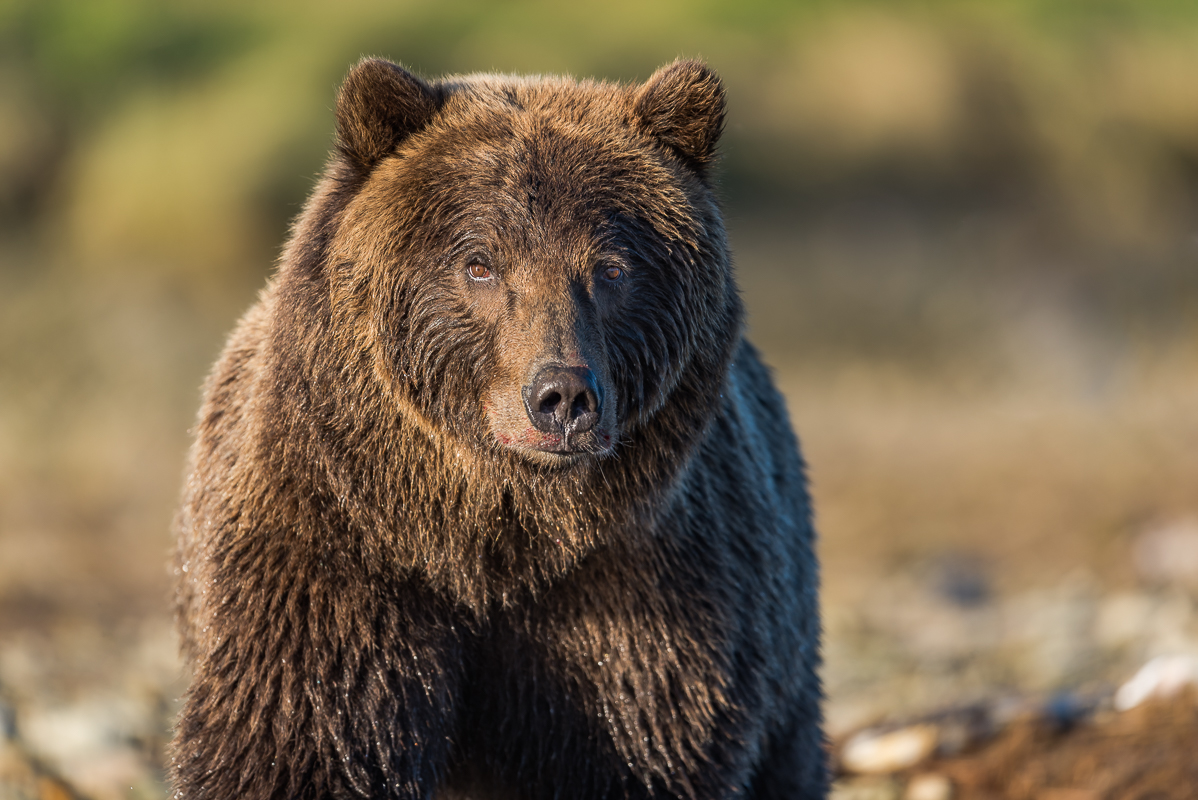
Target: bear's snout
x,y
563,400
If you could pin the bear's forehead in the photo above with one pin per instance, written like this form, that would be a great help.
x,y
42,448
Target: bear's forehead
x,y
551,147
524,130
589,103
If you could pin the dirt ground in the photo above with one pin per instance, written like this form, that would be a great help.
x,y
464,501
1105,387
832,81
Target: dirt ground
x,y
1149,753
1146,753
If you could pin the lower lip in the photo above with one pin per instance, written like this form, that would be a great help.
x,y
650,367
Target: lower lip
x,y
551,443
534,438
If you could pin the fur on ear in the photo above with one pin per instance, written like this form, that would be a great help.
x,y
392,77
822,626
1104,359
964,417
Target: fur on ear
x,y
379,105
682,104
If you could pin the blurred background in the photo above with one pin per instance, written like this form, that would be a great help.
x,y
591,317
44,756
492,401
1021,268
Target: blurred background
x,y
966,233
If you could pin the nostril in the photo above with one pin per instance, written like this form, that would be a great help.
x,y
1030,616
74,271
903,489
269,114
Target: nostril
x,y
549,403
582,404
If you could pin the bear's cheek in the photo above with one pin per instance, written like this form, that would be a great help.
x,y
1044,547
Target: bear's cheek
x,y
509,423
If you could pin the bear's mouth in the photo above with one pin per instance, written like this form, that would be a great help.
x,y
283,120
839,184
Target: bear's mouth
x,y
597,442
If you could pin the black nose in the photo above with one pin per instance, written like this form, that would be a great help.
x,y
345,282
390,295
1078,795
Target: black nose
x,y
563,400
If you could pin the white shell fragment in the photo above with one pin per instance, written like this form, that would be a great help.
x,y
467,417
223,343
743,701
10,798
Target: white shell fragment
x,y
875,752
1163,676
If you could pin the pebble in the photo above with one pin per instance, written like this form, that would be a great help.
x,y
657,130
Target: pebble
x,y
929,786
1169,553
878,752
1162,677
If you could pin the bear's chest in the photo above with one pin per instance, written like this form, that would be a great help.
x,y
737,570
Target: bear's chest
x,y
598,690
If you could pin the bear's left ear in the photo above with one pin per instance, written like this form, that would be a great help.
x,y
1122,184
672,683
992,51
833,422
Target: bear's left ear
x,y
683,106
379,105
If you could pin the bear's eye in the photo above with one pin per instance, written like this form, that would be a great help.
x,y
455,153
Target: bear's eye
x,y
478,272
613,273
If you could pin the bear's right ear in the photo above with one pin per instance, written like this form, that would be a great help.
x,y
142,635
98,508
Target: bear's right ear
x,y
379,105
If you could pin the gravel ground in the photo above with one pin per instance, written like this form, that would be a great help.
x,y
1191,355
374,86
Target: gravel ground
x,y
993,694
938,690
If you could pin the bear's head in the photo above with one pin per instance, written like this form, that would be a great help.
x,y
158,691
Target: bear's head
x,y
535,265
502,325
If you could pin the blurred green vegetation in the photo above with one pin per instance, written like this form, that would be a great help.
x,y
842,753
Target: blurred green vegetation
x,y
182,136
959,193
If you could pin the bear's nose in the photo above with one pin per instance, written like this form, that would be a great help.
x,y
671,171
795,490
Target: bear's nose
x,y
564,400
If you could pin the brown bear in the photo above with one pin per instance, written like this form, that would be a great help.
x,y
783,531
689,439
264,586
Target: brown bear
x,y
490,498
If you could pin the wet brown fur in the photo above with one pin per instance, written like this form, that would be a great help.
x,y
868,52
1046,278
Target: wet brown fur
x,y
386,587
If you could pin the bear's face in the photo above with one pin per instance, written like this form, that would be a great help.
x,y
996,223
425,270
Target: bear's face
x,y
542,263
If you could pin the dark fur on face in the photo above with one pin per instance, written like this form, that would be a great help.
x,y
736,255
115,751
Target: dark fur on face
x,y
397,580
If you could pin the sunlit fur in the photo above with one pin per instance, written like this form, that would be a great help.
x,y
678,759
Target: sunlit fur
x,y
382,592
